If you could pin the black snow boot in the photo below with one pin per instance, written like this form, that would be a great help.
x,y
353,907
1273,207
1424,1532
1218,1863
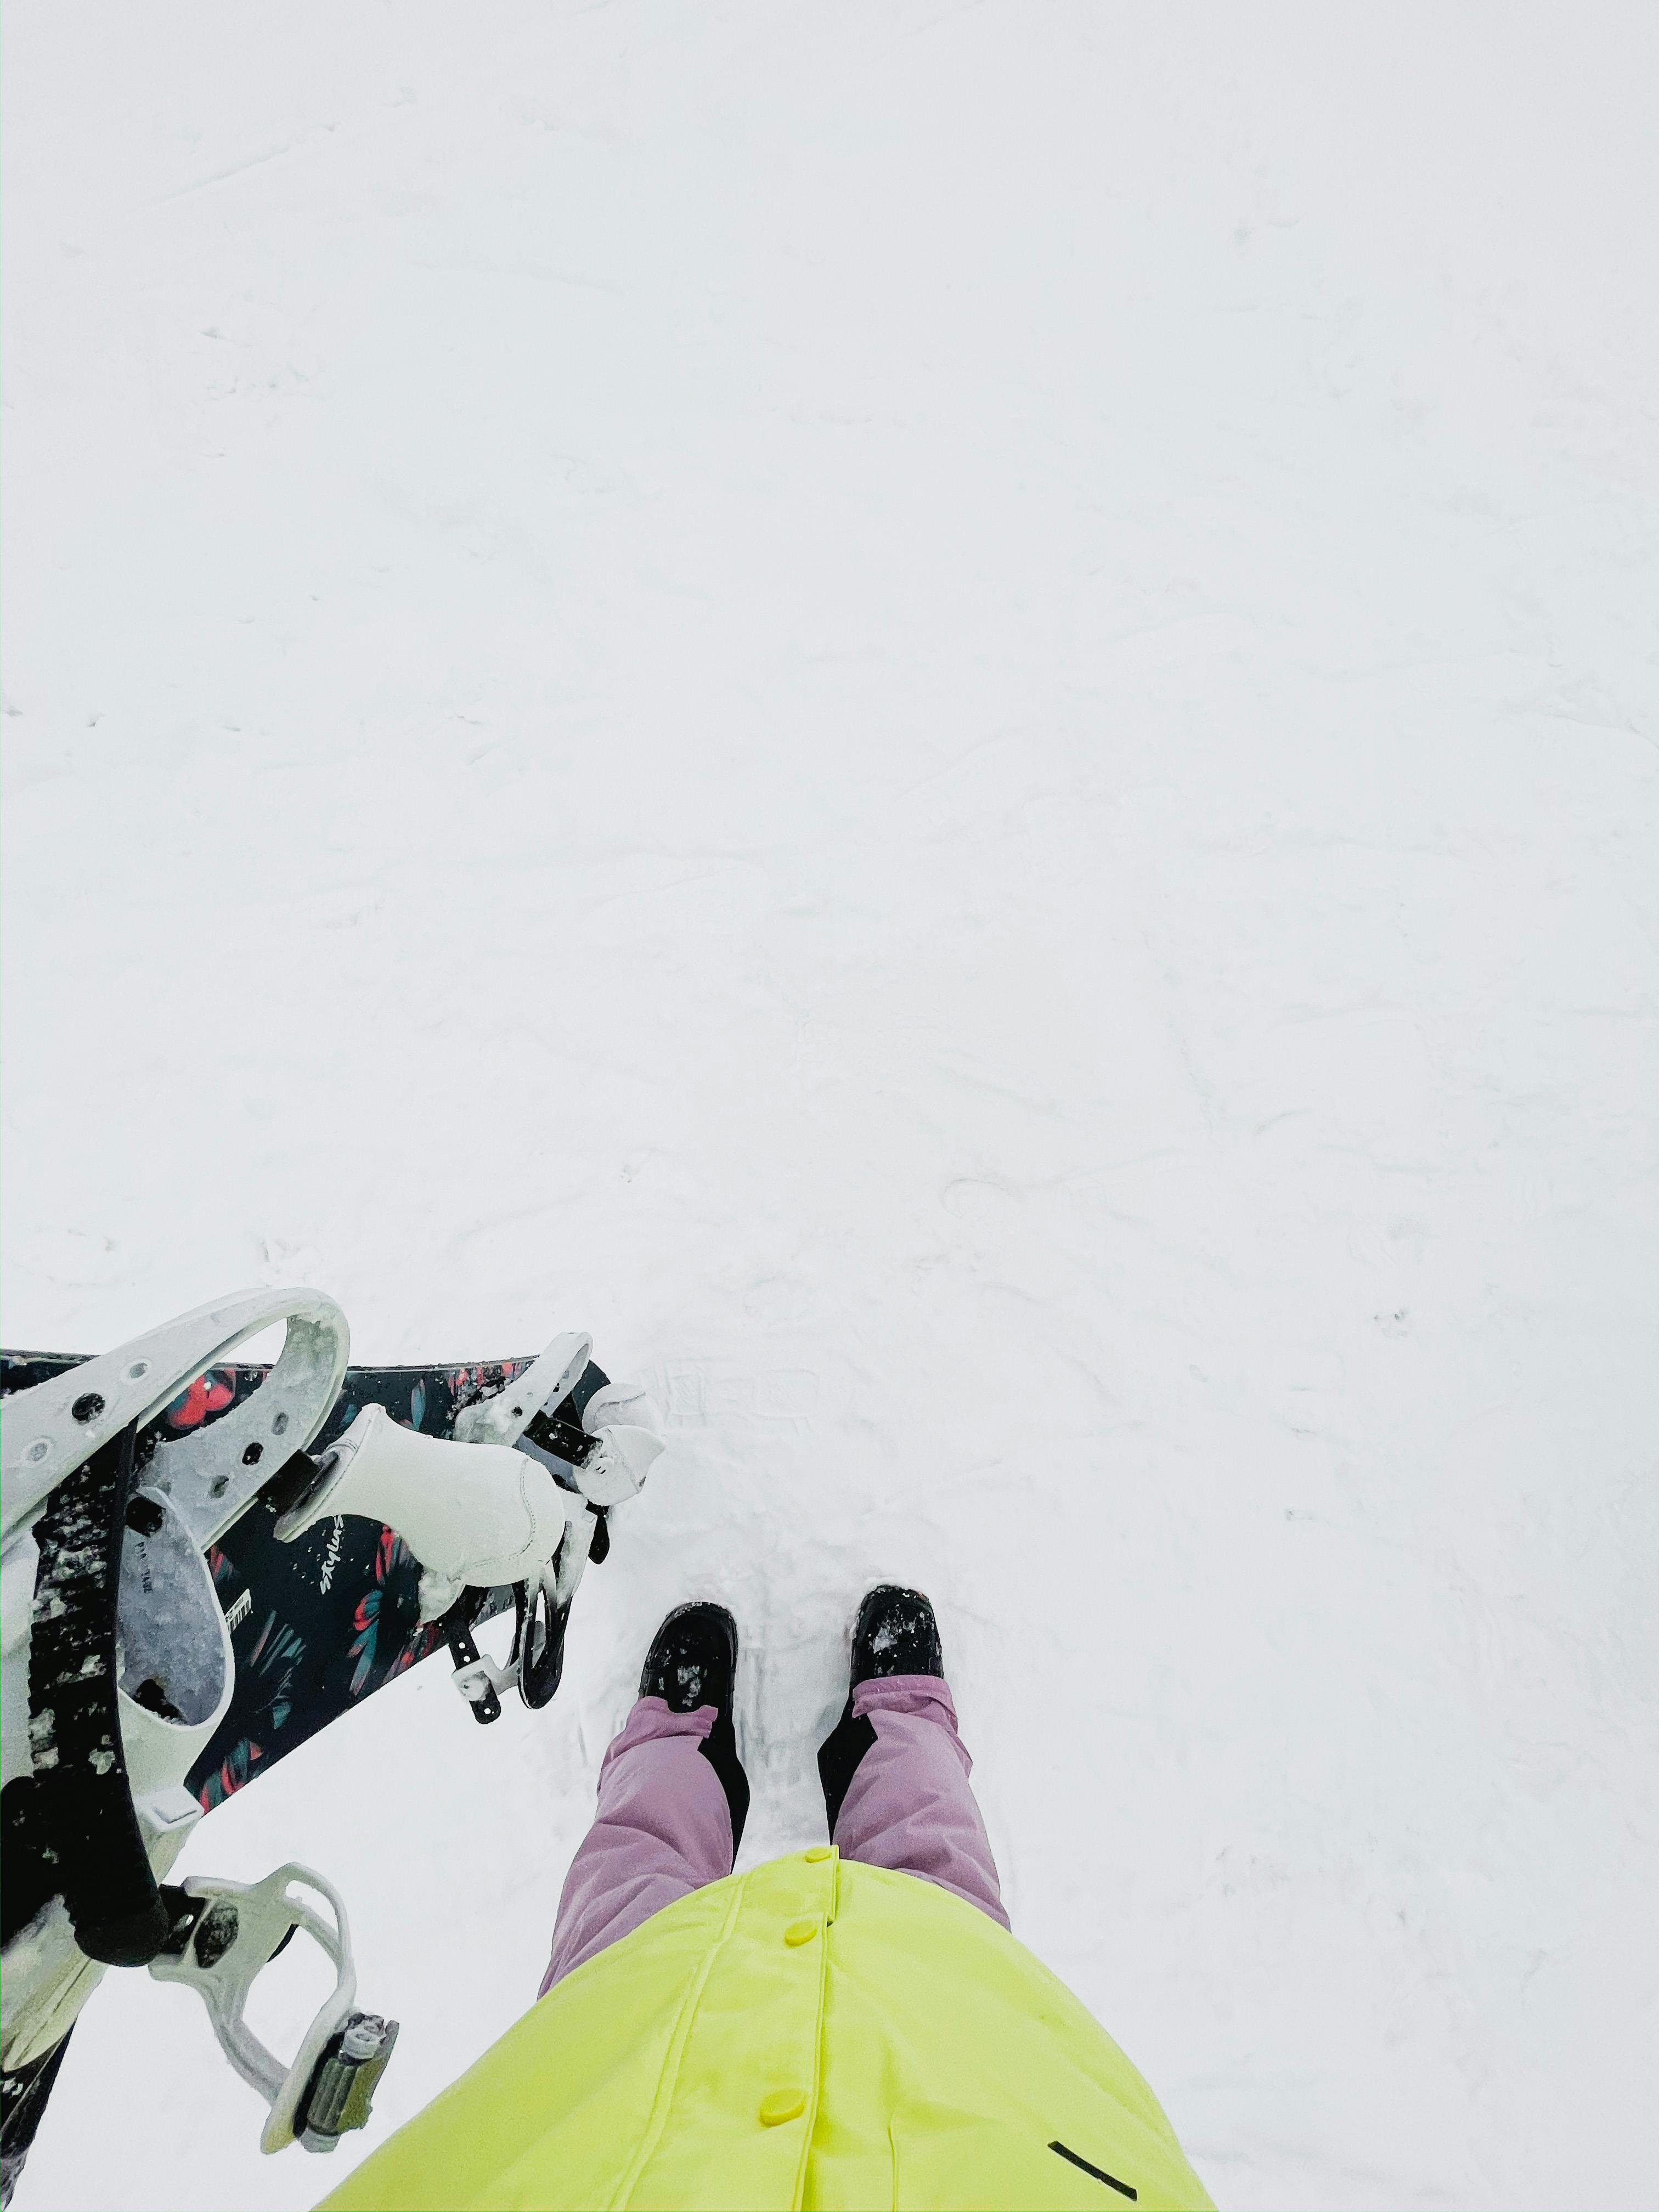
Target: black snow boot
x,y
895,1633
692,1661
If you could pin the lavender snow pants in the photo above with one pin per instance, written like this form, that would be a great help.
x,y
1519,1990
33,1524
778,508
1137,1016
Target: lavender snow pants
x,y
663,1827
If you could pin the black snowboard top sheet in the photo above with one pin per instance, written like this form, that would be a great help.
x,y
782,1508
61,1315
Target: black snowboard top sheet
x,y
322,1623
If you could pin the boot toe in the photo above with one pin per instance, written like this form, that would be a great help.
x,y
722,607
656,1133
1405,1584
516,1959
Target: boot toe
x,y
693,1659
895,1633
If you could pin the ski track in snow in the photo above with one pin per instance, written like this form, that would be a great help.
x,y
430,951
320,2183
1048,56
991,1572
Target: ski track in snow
x,y
948,721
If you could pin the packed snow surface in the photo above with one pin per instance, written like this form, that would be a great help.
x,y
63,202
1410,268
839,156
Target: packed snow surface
x,y
946,716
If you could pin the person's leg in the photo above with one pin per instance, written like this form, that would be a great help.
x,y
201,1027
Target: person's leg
x,y
672,1794
894,1772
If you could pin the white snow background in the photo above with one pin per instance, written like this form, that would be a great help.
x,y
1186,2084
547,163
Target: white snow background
x,y
946,717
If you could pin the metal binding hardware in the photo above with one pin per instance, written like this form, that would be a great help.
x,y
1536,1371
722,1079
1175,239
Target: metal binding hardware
x,y
341,2093
224,1935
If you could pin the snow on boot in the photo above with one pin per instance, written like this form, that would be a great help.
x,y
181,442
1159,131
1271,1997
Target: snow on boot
x,y
895,1633
693,1662
693,1659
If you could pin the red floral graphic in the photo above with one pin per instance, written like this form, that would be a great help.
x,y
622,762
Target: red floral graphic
x,y
209,1393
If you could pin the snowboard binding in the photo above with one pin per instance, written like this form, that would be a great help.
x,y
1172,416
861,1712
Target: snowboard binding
x,y
120,1668
222,1935
478,1516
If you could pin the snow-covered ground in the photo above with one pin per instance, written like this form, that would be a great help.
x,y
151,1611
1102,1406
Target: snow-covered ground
x,y
947,717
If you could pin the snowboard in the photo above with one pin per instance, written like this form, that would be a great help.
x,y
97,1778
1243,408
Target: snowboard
x,y
319,1624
